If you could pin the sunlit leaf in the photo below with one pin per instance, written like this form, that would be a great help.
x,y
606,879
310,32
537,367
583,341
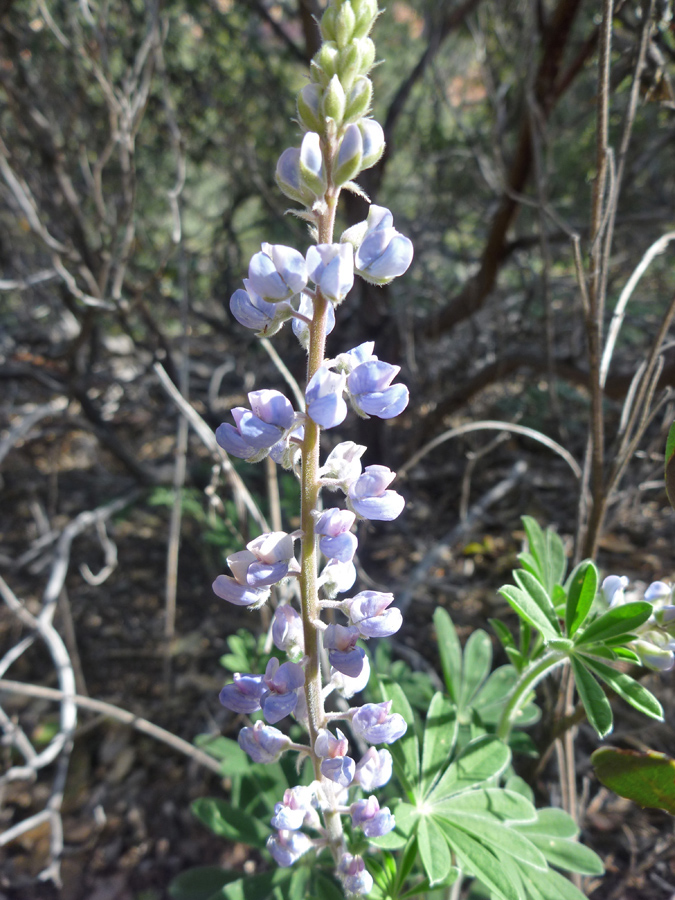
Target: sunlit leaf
x,y
647,779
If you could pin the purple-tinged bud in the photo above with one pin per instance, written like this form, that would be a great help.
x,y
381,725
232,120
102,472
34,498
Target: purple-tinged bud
x,y
243,696
262,743
343,653
357,104
368,496
282,682
376,724
328,746
343,463
277,272
306,308
367,815
337,577
296,810
250,310
312,170
654,652
289,180
348,162
658,590
334,521
665,618
309,106
372,393
287,847
287,631
350,686
339,770
613,588
374,769
239,594
369,613
284,451
341,547
325,403
384,253
354,876
373,142
331,268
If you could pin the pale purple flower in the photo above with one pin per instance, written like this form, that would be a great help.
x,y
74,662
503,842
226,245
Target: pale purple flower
x,y
266,560
243,695
354,876
301,328
335,764
384,253
287,632
343,464
237,594
375,723
337,577
369,612
350,686
289,177
250,310
333,525
288,846
343,653
263,743
331,268
296,810
658,590
325,403
373,142
350,154
374,769
372,392
655,650
276,273
341,547
347,362
328,746
334,521
312,170
282,682
373,821
370,499
257,430
613,588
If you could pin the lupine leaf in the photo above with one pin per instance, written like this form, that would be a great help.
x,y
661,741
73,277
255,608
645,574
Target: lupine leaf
x,y
476,666
556,559
647,779
484,864
551,822
490,700
200,883
450,651
540,595
434,851
518,785
326,888
234,761
482,759
503,633
580,596
406,817
670,465
504,840
537,544
495,803
528,610
226,821
255,887
440,735
627,688
597,706
569,855
405,751
549,885
616,621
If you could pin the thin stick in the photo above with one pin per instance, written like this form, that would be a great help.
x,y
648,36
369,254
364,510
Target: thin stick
x,y
120,715
285,373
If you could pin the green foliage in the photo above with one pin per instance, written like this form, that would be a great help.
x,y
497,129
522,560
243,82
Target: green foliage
x,y
247,653
670,465
646,778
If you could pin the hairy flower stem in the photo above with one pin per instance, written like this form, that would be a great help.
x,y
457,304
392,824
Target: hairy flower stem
x,y
522,689
310,488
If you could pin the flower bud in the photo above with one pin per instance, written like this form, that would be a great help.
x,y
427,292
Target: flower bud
x,y
375,723
251,311
243,695
384,253
358,100
367,815
337,577
333,102
658,591
350,686
366,54
287,847
366,12
331,268
374,769
312,170
327,24
296,810
325,63
287,633
309,107
354,876
276,273
348,163
613,588
325,404
373,142
345,21
288,178
349,65
263,743
654,652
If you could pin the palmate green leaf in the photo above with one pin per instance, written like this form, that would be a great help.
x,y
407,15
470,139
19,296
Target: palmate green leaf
x,y
450,651
669,471
440,736
503,633
592,696
569,855
541,597
627,688
581,593
490,701
482,759
200,883
405,751
494,803
548,885
406,816
502,839
226,821
434,850
551,822
528,610
494,872
518,785
476,666
556,560
647,779
536,540
616,621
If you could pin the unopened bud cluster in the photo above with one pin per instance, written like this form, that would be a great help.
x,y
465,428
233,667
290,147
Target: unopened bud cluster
x,y
283,285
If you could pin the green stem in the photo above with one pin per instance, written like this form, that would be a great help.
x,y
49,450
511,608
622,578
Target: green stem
x,y
523,688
